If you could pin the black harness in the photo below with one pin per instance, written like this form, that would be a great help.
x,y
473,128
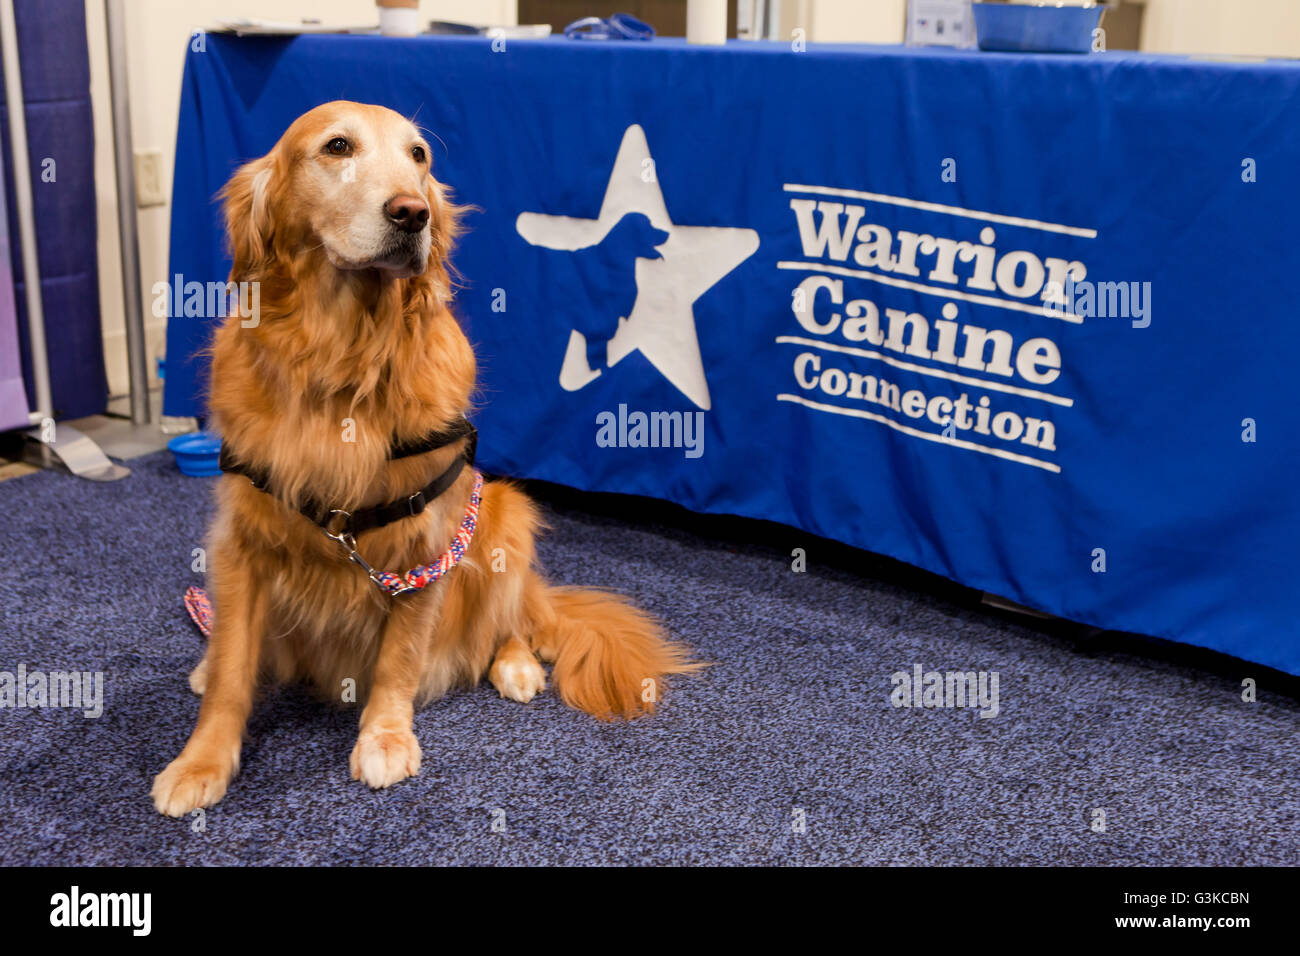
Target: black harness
x,y
339,524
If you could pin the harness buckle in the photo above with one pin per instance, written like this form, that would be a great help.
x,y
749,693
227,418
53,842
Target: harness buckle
x,y
416,503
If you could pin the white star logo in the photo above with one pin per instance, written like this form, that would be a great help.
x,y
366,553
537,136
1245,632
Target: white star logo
x,y
694,258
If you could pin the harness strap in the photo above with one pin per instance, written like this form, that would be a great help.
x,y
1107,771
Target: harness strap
x,y
367,518
460,428
337,522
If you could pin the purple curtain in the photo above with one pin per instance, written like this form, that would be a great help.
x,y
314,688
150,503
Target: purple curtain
x,y
61,147
13,399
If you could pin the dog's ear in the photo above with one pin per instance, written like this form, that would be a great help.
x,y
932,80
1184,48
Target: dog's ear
x,y
444,218
247,199
444,229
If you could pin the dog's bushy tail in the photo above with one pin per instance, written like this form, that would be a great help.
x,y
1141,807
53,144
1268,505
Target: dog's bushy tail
x,y
610,657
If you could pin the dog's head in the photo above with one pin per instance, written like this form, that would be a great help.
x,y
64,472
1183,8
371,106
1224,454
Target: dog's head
x,y
351,180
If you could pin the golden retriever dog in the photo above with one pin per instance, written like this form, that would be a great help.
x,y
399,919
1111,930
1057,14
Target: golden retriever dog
x,y
354,354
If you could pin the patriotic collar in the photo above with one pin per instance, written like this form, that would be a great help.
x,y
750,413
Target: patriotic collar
x,y
425,574
199,605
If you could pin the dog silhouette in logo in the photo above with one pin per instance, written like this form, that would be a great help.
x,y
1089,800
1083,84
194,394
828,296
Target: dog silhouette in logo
x,y
607,273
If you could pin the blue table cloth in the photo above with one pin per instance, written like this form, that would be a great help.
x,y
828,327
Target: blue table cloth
x,y
1022,321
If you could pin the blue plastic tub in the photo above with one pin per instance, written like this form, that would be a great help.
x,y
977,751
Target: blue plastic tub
x,y
1020,28
197,454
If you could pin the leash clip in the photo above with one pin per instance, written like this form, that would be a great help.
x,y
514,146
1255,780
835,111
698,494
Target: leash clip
x,y
348,541
344,534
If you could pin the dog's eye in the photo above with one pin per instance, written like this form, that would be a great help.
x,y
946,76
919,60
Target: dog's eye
x,y
418,154
338,146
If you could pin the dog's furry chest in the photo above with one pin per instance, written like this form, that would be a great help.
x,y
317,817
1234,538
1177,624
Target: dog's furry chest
x,y
324,616
326,621
324,625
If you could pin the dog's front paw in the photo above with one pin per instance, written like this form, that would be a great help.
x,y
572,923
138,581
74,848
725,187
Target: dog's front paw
x,y
383,757
188,783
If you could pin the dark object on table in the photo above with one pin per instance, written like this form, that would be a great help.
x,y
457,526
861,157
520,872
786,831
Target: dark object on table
x,y
523,31
1021,28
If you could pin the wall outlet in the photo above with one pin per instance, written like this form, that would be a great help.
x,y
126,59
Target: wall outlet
x,y
149,189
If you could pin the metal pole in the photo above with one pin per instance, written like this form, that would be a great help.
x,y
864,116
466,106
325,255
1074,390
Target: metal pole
x,y
26,221
124,159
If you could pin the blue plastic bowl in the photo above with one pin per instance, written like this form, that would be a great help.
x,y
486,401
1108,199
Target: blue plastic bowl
x,y
197,454
1017,27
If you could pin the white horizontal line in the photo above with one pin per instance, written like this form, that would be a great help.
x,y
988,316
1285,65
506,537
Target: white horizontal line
x,y
929,290
917,433
926,370
940,207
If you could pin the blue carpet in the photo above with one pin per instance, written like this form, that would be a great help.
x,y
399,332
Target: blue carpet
x,y
794,715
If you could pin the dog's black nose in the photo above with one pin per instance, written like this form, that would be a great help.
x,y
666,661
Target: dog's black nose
x,y
407,213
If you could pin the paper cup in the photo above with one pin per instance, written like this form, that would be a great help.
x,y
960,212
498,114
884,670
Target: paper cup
x,y
399,18
706,21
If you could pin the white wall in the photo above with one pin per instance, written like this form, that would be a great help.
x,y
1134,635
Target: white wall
x,y
856,21
157,35
1233,27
